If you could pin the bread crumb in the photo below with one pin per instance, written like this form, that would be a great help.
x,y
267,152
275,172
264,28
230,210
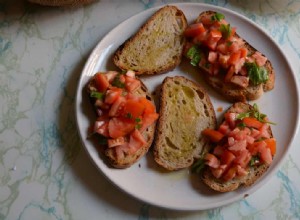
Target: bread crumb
x,y
220,109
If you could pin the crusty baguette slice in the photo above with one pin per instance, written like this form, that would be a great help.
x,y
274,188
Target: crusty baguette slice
x,y
157,46
185,110
148,134
255,172
232,92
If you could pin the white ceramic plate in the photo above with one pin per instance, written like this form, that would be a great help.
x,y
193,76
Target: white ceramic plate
x,y
181,190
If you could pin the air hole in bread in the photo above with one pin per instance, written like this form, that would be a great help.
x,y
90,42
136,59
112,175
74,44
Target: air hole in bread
x,y
183,102
176,82
206,111
170,144
200,94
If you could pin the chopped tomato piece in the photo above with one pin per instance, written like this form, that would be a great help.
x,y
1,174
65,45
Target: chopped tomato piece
x,y
241,81
212,160
103,129
252,122
244,52
148,120
265,154
118,127
133,109
227,157
112,95
230,119
212,56
117,106
216,34
229,74
213,135
101,82
149,106
234,58
131,84
110,75
259,58
230,173
271,144
136,141
194,29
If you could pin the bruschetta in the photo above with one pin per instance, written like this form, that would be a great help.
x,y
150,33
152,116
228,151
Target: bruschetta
x,y
126,116
228,63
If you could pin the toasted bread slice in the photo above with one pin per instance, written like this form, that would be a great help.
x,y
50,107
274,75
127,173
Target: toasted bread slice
x,y
157,46
185,110
254,173
128,160
232,92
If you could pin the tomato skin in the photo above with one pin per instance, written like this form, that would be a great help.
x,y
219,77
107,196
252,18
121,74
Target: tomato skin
x,y
252,123
112,95
271,144
148,120
194,30
227,157
119,126
133,108
149,106
101,82
213,135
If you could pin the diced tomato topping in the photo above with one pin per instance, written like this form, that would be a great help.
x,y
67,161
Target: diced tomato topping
x,y
101,82
131,83
229,74
148,120
136,141
230,173
149,106
212,56
219,150
259,58
117,107
230,119
241,81
112,95
133,108
118,127
227,157
213,135
271,144
110,75
211,160
252,123
194,29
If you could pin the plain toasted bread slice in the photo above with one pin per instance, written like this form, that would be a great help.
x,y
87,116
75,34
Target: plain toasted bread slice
x,y
185,110
235,93
254,173
157,46
148,134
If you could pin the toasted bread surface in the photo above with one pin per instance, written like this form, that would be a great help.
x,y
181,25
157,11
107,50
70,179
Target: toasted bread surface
x,y
157,46
254,173
128,160
232,92
185,110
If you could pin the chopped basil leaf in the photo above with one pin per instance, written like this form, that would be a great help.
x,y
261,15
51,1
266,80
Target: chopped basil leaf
x,y
241,125
129,115
217,17
254,160
198,166
225,30
97,95
195,55
117,82
257,75
137,120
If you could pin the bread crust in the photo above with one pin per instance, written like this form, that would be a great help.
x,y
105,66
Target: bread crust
x,y
254,172
169,149
164,50
234,93
148,134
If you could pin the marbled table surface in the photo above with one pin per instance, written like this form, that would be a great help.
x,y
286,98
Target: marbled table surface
x,y
44,171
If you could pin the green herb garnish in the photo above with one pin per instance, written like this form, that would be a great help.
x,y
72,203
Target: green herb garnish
x,y
194,54
97,95
225,30
138,124
117,82
257,75
129,115
254,113
254,160
217,17
198,166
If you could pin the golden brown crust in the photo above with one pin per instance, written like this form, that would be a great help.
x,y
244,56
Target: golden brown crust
x,y
157,46
232,92
254,172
